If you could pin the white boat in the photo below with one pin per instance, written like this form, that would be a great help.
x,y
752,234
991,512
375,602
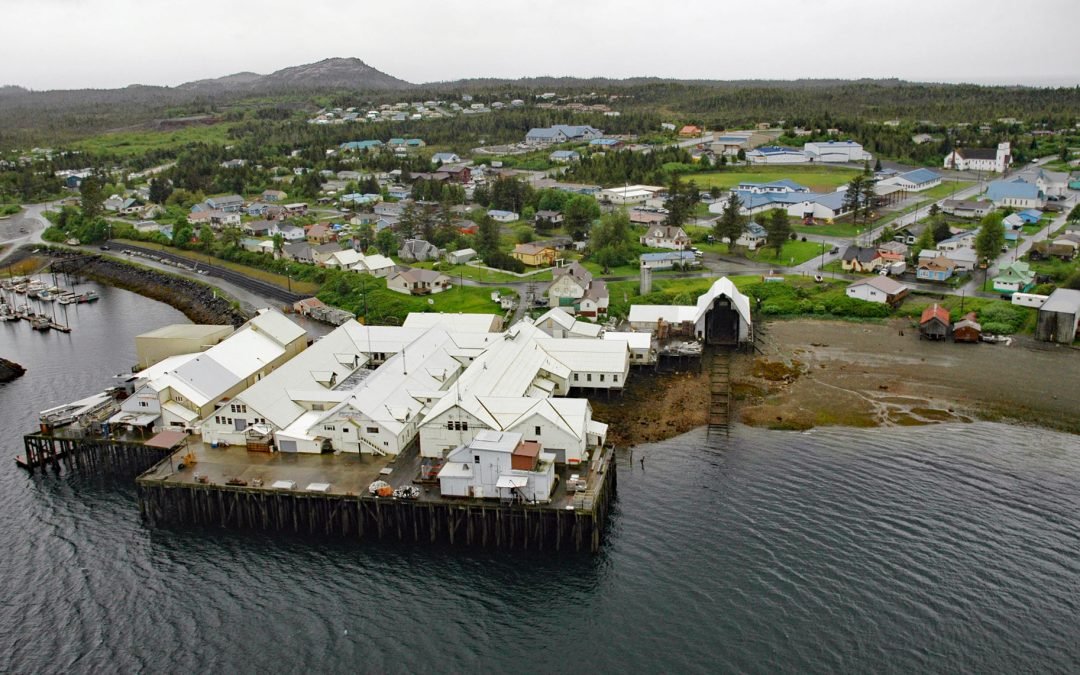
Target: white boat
x,y
67,298
45,296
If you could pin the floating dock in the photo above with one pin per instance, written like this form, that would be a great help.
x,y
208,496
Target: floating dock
x,y
327,495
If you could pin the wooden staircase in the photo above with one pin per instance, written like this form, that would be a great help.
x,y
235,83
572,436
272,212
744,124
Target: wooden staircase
x,y
720,390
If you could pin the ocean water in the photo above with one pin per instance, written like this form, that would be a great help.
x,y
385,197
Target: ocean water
x,y
952,548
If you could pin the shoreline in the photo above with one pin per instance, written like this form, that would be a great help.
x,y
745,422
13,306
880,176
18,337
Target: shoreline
x,y
813,373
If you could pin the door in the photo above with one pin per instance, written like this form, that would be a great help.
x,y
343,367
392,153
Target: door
x,y
287,446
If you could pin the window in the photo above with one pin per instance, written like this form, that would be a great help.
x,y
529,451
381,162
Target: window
x,y
614,378
588,377
237,408
144,404
457,426
329,427
476,459
575,377
372,430
217,419
178,398
344,430
536,430
601,377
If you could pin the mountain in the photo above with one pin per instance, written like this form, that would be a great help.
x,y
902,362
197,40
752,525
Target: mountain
x,y
337,73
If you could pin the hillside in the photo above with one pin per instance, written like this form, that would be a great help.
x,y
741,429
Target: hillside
x,y
335,73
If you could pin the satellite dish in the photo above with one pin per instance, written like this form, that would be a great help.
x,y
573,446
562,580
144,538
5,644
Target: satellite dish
x,y
431,301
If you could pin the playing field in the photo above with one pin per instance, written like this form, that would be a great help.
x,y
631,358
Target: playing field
x,y
817,178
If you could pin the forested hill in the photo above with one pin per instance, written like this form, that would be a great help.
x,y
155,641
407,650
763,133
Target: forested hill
x,y
30,117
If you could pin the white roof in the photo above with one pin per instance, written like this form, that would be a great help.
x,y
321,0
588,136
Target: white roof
x,y
589,355
372,263
568,323
164,366
180,411
457,322
512,481
642,340
681,313
883,284
346,257
653,313
1064,300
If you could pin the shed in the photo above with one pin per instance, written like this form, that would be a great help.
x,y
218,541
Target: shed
x,y
1058,317
934,323
967,329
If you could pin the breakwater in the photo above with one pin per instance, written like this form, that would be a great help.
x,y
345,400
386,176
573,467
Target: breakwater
x,y
9,370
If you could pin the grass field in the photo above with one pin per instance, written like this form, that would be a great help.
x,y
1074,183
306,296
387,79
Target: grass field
x,y
134,143
302,287
793,253
458,272
817,178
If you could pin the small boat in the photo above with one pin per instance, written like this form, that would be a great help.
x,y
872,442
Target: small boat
x,y
40,322
20,289
67,298
45,296
89,296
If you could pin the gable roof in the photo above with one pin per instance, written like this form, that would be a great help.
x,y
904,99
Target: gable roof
x,y
935,311
863,254
883,284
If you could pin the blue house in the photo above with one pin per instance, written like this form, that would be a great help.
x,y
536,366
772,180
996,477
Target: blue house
x,y
1031,216
1015,192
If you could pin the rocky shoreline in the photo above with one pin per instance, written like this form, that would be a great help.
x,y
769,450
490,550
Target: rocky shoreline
x,y
199,302
9,370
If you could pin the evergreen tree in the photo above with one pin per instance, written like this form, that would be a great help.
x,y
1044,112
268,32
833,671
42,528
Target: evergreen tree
x,y
91,198
160,190
578,214
487,236
778,229
991,237
731,223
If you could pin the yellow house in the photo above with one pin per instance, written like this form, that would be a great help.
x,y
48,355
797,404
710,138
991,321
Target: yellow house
x,y
534,255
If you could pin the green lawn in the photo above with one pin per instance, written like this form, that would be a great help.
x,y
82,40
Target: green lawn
x,y
793,253
133,143
468,272
381,305
817,178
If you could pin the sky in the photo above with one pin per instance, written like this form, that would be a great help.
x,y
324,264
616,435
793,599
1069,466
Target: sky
x,y
74,44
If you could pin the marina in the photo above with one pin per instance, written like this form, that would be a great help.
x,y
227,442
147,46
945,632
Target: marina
x,y
39,306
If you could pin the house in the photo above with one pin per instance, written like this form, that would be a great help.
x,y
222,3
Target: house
x,y
296,209
963,208
260,228
938,268
416,281
642,351
934,323
860,259
445,158
456,173
418,250
1059,317
273,196
341,258
774,154
565,156
965,239
1015,277
500,216
227,203
1050,183
1013,222
690,131
967,329
1030,216
836,151
629,194
299,252
548,219
980,159
596,300
915,181
666,236
753,236
291,232
534,255
376,265
460,256
1014,192
568,285
1064,248
878,289
605,144
647,217
499,465
561,133
667,260
319,233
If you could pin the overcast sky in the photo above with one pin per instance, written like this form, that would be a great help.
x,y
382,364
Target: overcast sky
x,y
62,44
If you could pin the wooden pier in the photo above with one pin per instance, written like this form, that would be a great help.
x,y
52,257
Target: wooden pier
x,y
573,521
719,391
88,454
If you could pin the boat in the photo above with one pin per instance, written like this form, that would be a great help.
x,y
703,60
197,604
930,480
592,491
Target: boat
x,y
45,296
67,298
20,289
40,322
89,296
7,313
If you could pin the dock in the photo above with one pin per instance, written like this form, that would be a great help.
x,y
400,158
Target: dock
x,y
73,450
719,391
327,494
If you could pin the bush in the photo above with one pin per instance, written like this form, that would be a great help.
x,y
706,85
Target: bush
x,y
1007,315
504,261
995,328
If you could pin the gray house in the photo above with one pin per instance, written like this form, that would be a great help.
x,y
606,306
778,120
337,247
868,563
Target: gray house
x,y
418,250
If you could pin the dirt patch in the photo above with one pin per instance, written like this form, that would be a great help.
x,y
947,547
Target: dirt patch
x,y
776,371
654,406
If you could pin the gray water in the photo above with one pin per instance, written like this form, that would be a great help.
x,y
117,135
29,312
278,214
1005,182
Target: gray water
x,y
952,548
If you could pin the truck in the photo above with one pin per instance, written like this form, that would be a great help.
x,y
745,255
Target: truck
x,y
894,269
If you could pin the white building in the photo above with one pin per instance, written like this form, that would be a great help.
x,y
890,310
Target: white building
x,y
558,323
836,151
720,316
777,155
877,289
499,465
916,180
980,159
642,352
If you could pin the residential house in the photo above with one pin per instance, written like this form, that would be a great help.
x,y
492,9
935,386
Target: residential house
x,y
561,133
445,158
418,250
666,236
320,233
376,265
596,300
667,260
299,252
605,144
938,268
980,159
647,217
291,233
534,255
967,329
500,216
964,239
1030,216
1014,192
878,289
1014,277
323,252
690,131
342,258
935,322
1059,317
753,236
499,465
860,259
548,219
565,156
227,203
260,228
416,281
456,173
273,196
